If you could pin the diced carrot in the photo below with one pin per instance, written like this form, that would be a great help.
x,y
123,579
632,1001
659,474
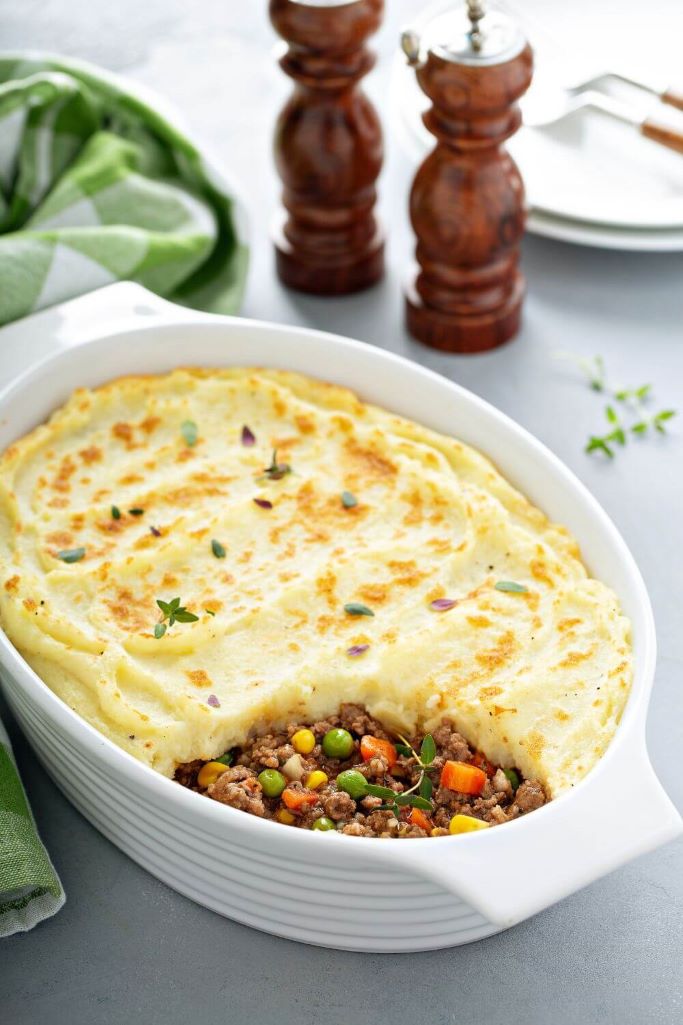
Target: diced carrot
x,y
463,778
374,747
418,818
296,800
482,762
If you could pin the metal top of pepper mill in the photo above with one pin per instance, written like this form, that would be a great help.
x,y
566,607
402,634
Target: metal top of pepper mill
x,y
470,35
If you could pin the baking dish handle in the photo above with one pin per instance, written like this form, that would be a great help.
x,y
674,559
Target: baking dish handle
x,y
518,869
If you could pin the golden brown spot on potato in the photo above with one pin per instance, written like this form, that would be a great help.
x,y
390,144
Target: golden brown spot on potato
x,y
390,636
567,624
323,623
13,583
185,455
325,586
415,500
187,495
198,677
535,742
199,534
540,572
490,692
123,432
60,538
574,658
293,646
129,612
502,652
441,545
499,710
305,423
374,594
369,460
342,423
279,406
213,605
58,503
246,555
479,622
91,454
131,478
30,605
67,468
149,424
622,667
77,521
561,715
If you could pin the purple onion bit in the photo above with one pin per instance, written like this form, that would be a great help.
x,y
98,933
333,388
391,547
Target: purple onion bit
x,y
248,437
357,649
213,701
443,604
155,531
263,503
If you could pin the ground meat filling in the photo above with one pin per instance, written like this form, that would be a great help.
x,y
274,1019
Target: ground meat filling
x,y
292,776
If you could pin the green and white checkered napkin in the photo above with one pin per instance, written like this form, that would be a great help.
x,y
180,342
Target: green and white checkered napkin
x,y
29,888
95,187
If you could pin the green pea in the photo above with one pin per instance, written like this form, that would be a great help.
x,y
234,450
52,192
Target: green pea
x,y
323,823
512,777
353,782
338,744
272,781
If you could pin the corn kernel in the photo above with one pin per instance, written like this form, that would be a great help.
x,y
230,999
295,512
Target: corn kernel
x,y
284,816
466,824
316,779
210,772
303,742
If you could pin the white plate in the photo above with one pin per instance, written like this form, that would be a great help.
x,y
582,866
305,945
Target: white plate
x,y
349,892
586,170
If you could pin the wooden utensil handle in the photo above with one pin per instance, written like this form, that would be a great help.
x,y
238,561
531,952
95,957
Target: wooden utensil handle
x,y
663,134
673,98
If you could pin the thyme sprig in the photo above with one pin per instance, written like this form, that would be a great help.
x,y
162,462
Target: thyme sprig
x,y
174,612
276,471
626,415
419,795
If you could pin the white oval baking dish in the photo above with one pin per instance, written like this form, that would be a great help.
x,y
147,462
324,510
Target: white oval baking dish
x,y
348,892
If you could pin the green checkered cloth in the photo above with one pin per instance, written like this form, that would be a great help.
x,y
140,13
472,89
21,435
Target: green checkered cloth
x,y
96,187
29,888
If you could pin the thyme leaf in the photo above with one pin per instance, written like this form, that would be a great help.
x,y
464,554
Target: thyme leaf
x,y
510,586
190,432
356,608
217,549
71,554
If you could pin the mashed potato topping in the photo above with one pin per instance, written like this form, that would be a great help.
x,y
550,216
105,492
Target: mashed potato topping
x,y
150,489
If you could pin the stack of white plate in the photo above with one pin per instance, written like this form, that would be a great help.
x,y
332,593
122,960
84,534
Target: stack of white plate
x,y
589,179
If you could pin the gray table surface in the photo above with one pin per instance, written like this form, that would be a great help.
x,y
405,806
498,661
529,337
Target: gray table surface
x,y
125,948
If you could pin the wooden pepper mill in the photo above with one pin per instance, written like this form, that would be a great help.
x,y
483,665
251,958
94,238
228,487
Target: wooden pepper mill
x,y
328,148
467,200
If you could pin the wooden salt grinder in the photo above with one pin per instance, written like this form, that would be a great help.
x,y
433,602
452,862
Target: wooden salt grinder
x,y
467,200
328,148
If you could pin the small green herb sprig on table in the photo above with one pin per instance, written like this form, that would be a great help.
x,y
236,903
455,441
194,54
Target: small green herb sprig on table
x,y
626,415
419,795
174,612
